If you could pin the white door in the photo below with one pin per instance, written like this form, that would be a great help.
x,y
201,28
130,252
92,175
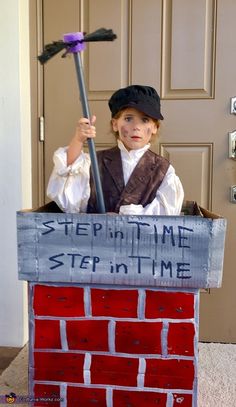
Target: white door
x,y
186,50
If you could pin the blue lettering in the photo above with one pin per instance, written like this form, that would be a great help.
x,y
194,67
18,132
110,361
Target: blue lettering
x,y
121,265
58,262
181,237
84,261
96,228
181,271
119,233
139,224
166,266
66,223
169,231
139,261
155,234
154,263
96,260
79,228
51,229
73,255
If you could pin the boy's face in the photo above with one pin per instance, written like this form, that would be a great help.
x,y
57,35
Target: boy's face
x,y
135,128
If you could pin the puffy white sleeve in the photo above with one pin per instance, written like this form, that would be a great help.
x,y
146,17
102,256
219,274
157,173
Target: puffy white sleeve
x,y
168,200
69,185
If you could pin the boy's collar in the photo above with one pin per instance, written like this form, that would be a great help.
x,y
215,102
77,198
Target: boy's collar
x,y
133,152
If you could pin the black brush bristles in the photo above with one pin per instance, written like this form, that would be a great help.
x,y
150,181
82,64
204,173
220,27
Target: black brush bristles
x,y
50,50
102,34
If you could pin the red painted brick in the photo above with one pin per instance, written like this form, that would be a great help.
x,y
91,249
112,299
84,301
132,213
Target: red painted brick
x,y
44,391
138,399
58,301
182,400
86,397
180,339
47,334
162,304
114,370
87,335
114,303
58,366
138,337
169,374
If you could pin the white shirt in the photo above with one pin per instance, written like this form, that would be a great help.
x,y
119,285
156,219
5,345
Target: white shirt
x,y
69,185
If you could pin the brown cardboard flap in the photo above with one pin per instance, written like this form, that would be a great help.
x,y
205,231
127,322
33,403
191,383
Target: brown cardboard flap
x,y
208,214
193,209
190,208
50,207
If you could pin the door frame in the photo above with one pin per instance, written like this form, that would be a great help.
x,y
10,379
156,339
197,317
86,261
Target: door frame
x,y
37,108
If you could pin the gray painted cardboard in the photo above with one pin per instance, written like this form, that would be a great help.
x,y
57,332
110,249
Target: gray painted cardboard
x,y
164,251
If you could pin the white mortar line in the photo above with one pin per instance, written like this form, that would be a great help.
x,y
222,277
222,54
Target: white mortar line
x,y
170,400
121,354
116,387
141,372
87,302
141,303
142,366
140,381
87,365
175,320
109,397
63,394
164,334
64,343
111,336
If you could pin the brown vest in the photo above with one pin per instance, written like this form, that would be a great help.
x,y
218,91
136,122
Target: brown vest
x,y
141,187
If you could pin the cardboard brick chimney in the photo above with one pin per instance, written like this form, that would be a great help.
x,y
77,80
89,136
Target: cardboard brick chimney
x,y
114,305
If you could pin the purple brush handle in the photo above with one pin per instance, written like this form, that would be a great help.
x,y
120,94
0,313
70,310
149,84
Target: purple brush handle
x,y
70,37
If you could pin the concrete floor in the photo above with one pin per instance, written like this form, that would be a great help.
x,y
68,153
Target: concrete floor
x,y
7,354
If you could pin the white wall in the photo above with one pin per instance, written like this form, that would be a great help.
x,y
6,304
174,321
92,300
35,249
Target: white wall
x,y
15,163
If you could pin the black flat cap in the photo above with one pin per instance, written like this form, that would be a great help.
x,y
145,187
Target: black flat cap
x,y
143,98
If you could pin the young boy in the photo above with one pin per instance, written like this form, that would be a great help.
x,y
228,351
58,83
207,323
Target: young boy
x,y
134,179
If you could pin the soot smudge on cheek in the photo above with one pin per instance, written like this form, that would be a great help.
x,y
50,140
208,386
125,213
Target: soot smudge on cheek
x,y
124,131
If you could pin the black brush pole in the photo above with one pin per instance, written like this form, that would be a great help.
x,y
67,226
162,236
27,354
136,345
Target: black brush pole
x,y
92,150
75,43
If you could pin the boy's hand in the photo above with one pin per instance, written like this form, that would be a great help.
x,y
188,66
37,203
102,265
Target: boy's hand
x,y
85,129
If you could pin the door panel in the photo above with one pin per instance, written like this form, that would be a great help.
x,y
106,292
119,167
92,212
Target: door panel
x,y
145,43
192,156
103,74
188,49
185,49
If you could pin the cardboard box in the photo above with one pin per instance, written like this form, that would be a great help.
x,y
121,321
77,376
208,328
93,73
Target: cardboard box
x,y
155,251
114,303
